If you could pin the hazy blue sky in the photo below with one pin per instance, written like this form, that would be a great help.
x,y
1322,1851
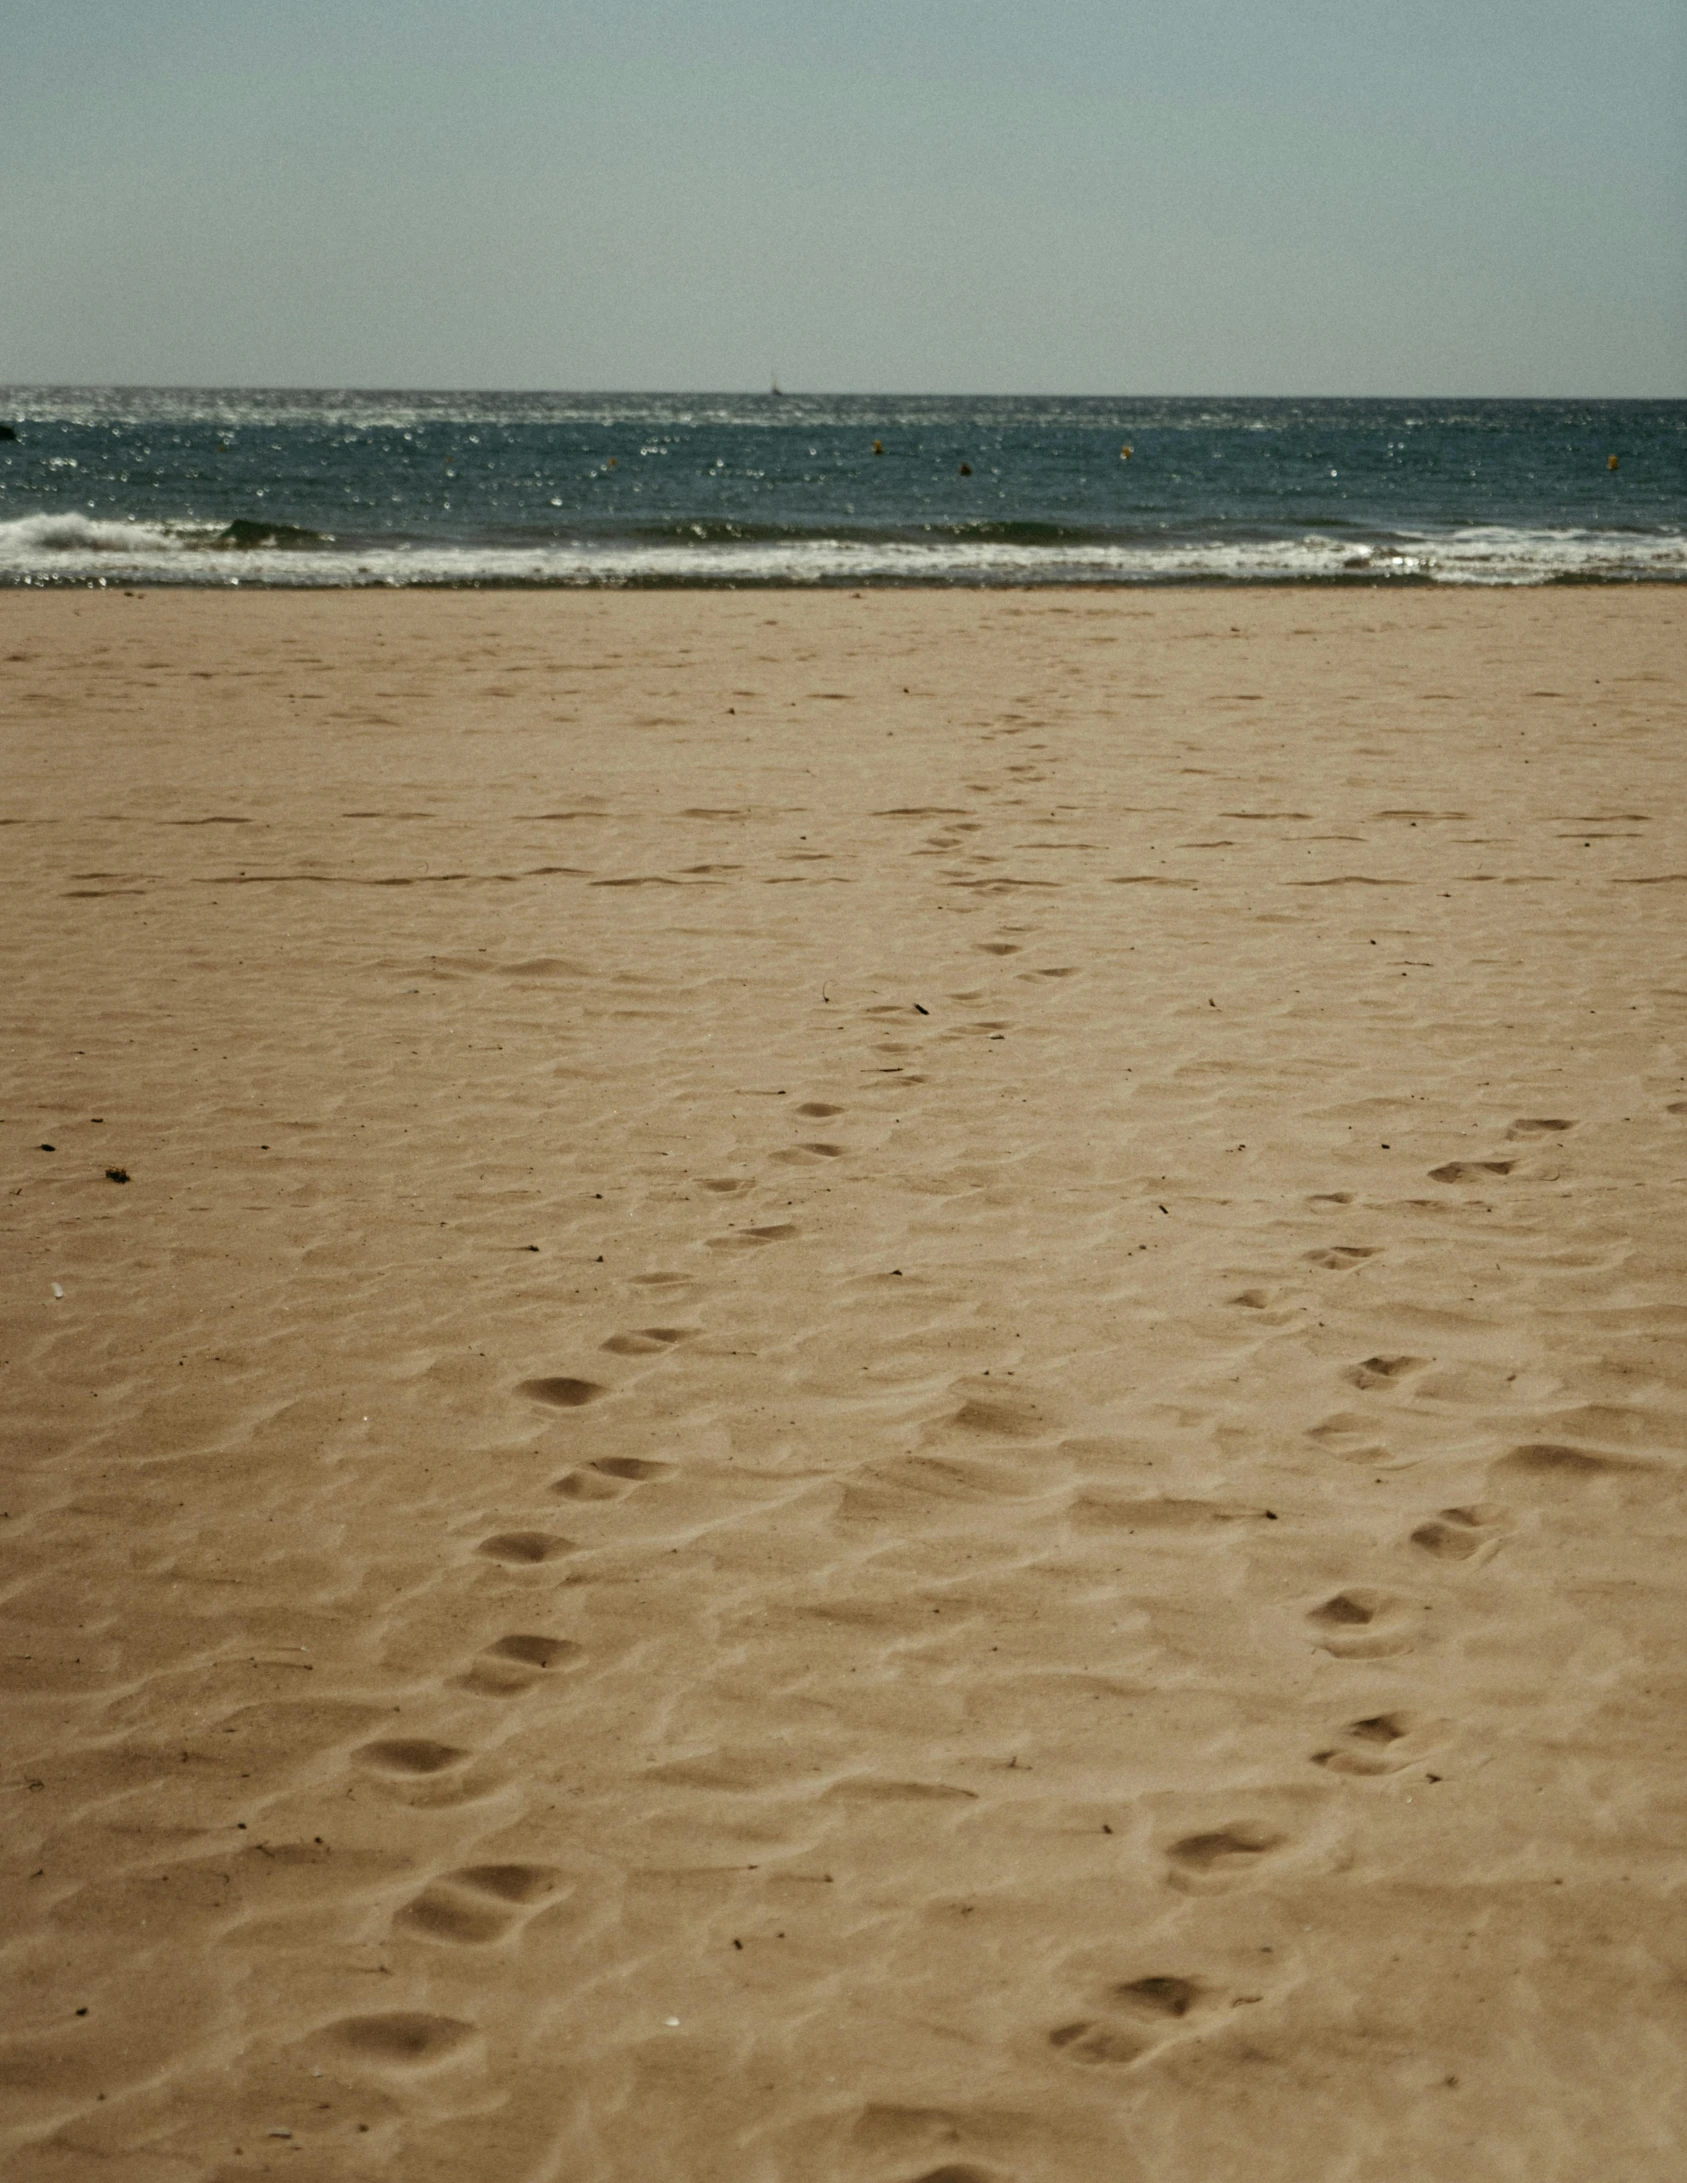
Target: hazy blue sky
x,y
1193,196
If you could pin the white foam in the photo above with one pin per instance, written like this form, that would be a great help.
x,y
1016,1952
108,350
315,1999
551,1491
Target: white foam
x,y
45,540
78,548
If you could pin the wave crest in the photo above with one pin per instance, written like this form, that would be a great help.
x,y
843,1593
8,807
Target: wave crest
x,y
72,548
28,536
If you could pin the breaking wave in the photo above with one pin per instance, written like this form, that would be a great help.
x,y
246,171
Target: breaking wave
x,y
78,549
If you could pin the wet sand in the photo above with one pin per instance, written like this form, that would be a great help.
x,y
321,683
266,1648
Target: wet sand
x,y
888,1387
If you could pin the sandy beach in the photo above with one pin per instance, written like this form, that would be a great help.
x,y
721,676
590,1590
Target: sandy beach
x,y
841,1389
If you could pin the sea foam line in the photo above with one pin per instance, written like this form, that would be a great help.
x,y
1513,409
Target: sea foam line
x,y
80,549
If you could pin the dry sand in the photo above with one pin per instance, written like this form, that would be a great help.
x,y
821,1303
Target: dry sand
x,y
890,1387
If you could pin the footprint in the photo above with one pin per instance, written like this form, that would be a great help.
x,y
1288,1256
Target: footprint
x,y
424,1775
562,1394
478,1904
648,1341
609,1477
410,1758
1552,1459
533,1652
1470,1170
997,947
1374,1734
1362,1624
819,1109
637,1468
1381,1743
749,1238
1253,1299
587,1485
1545,1126
1146,2011
524,1547
1460,1534
1384,1371
727,1185
1099,2044
403,2040
1222,1858
437,1914
959,2171
515,1664
1347,1435
522,1884
1158,1996
1341,1257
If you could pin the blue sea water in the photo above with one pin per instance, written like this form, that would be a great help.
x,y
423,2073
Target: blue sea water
x,y
127,485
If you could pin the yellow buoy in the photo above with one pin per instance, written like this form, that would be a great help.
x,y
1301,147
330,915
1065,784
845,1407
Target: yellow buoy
x,y
1610,462
1125,452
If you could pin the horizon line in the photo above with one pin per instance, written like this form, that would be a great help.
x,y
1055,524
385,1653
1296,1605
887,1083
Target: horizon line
x,y
782,394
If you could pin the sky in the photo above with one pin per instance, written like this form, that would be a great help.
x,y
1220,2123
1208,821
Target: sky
x,y
1456,197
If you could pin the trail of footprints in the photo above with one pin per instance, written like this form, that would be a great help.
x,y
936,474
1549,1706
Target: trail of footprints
x,y
1365,1622
1131,2020
1138,2018
488,1904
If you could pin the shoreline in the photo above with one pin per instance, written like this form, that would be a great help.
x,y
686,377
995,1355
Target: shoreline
x,y
1354,580
1344,580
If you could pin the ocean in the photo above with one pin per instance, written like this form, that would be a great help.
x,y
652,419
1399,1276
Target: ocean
x,y
297,488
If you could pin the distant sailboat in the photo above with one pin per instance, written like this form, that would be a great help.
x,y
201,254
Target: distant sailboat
x,y
774,388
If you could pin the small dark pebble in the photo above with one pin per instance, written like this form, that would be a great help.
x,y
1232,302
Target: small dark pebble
x,y
49,1148
1271,1515
117,1174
